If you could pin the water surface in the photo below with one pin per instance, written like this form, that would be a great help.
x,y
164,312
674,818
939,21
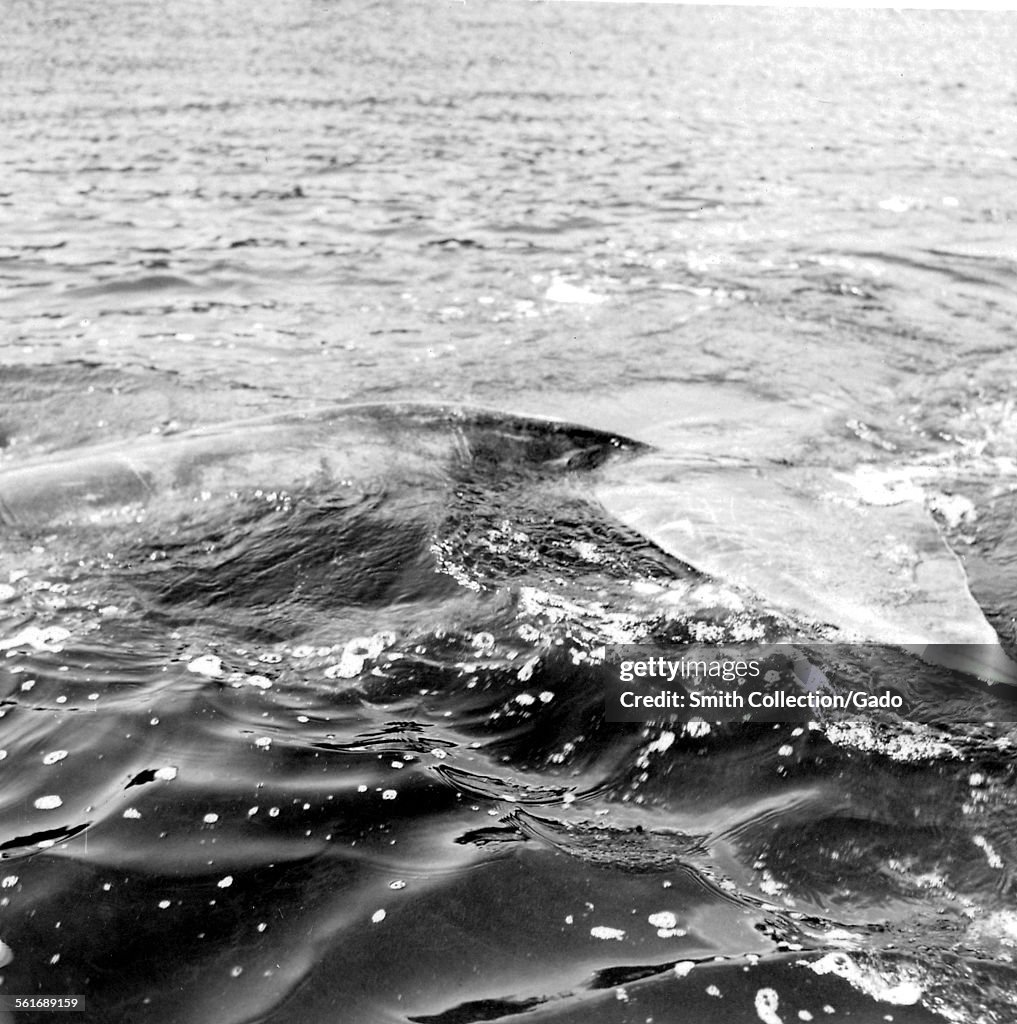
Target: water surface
x,y
301,595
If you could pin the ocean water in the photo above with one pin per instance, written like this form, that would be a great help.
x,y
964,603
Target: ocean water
x,y
366,370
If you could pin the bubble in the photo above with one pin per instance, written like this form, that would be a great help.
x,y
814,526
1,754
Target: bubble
x,y
483,642
766,1006
663,919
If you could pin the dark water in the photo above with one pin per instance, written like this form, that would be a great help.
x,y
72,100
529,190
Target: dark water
x,y
303,597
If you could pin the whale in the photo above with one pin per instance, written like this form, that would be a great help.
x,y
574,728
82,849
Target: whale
x,y
800,540
356,443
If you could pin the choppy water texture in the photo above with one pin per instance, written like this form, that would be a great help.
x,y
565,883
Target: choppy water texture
x,y
301,593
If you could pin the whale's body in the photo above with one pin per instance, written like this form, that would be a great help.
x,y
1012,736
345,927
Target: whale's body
x,y
800,540
364,444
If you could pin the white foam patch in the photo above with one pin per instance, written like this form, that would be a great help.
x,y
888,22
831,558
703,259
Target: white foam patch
x,y
955,509
562,291
898,484
671,930
45,638
207,665
48,803
911,742
660,745
600,624
899,204
767,1002
587,550
874,485
663,919
899,988
447,565
995,861
998,928
357,653
603,932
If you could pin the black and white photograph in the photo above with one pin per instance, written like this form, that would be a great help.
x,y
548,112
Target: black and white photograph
x,y
507,513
